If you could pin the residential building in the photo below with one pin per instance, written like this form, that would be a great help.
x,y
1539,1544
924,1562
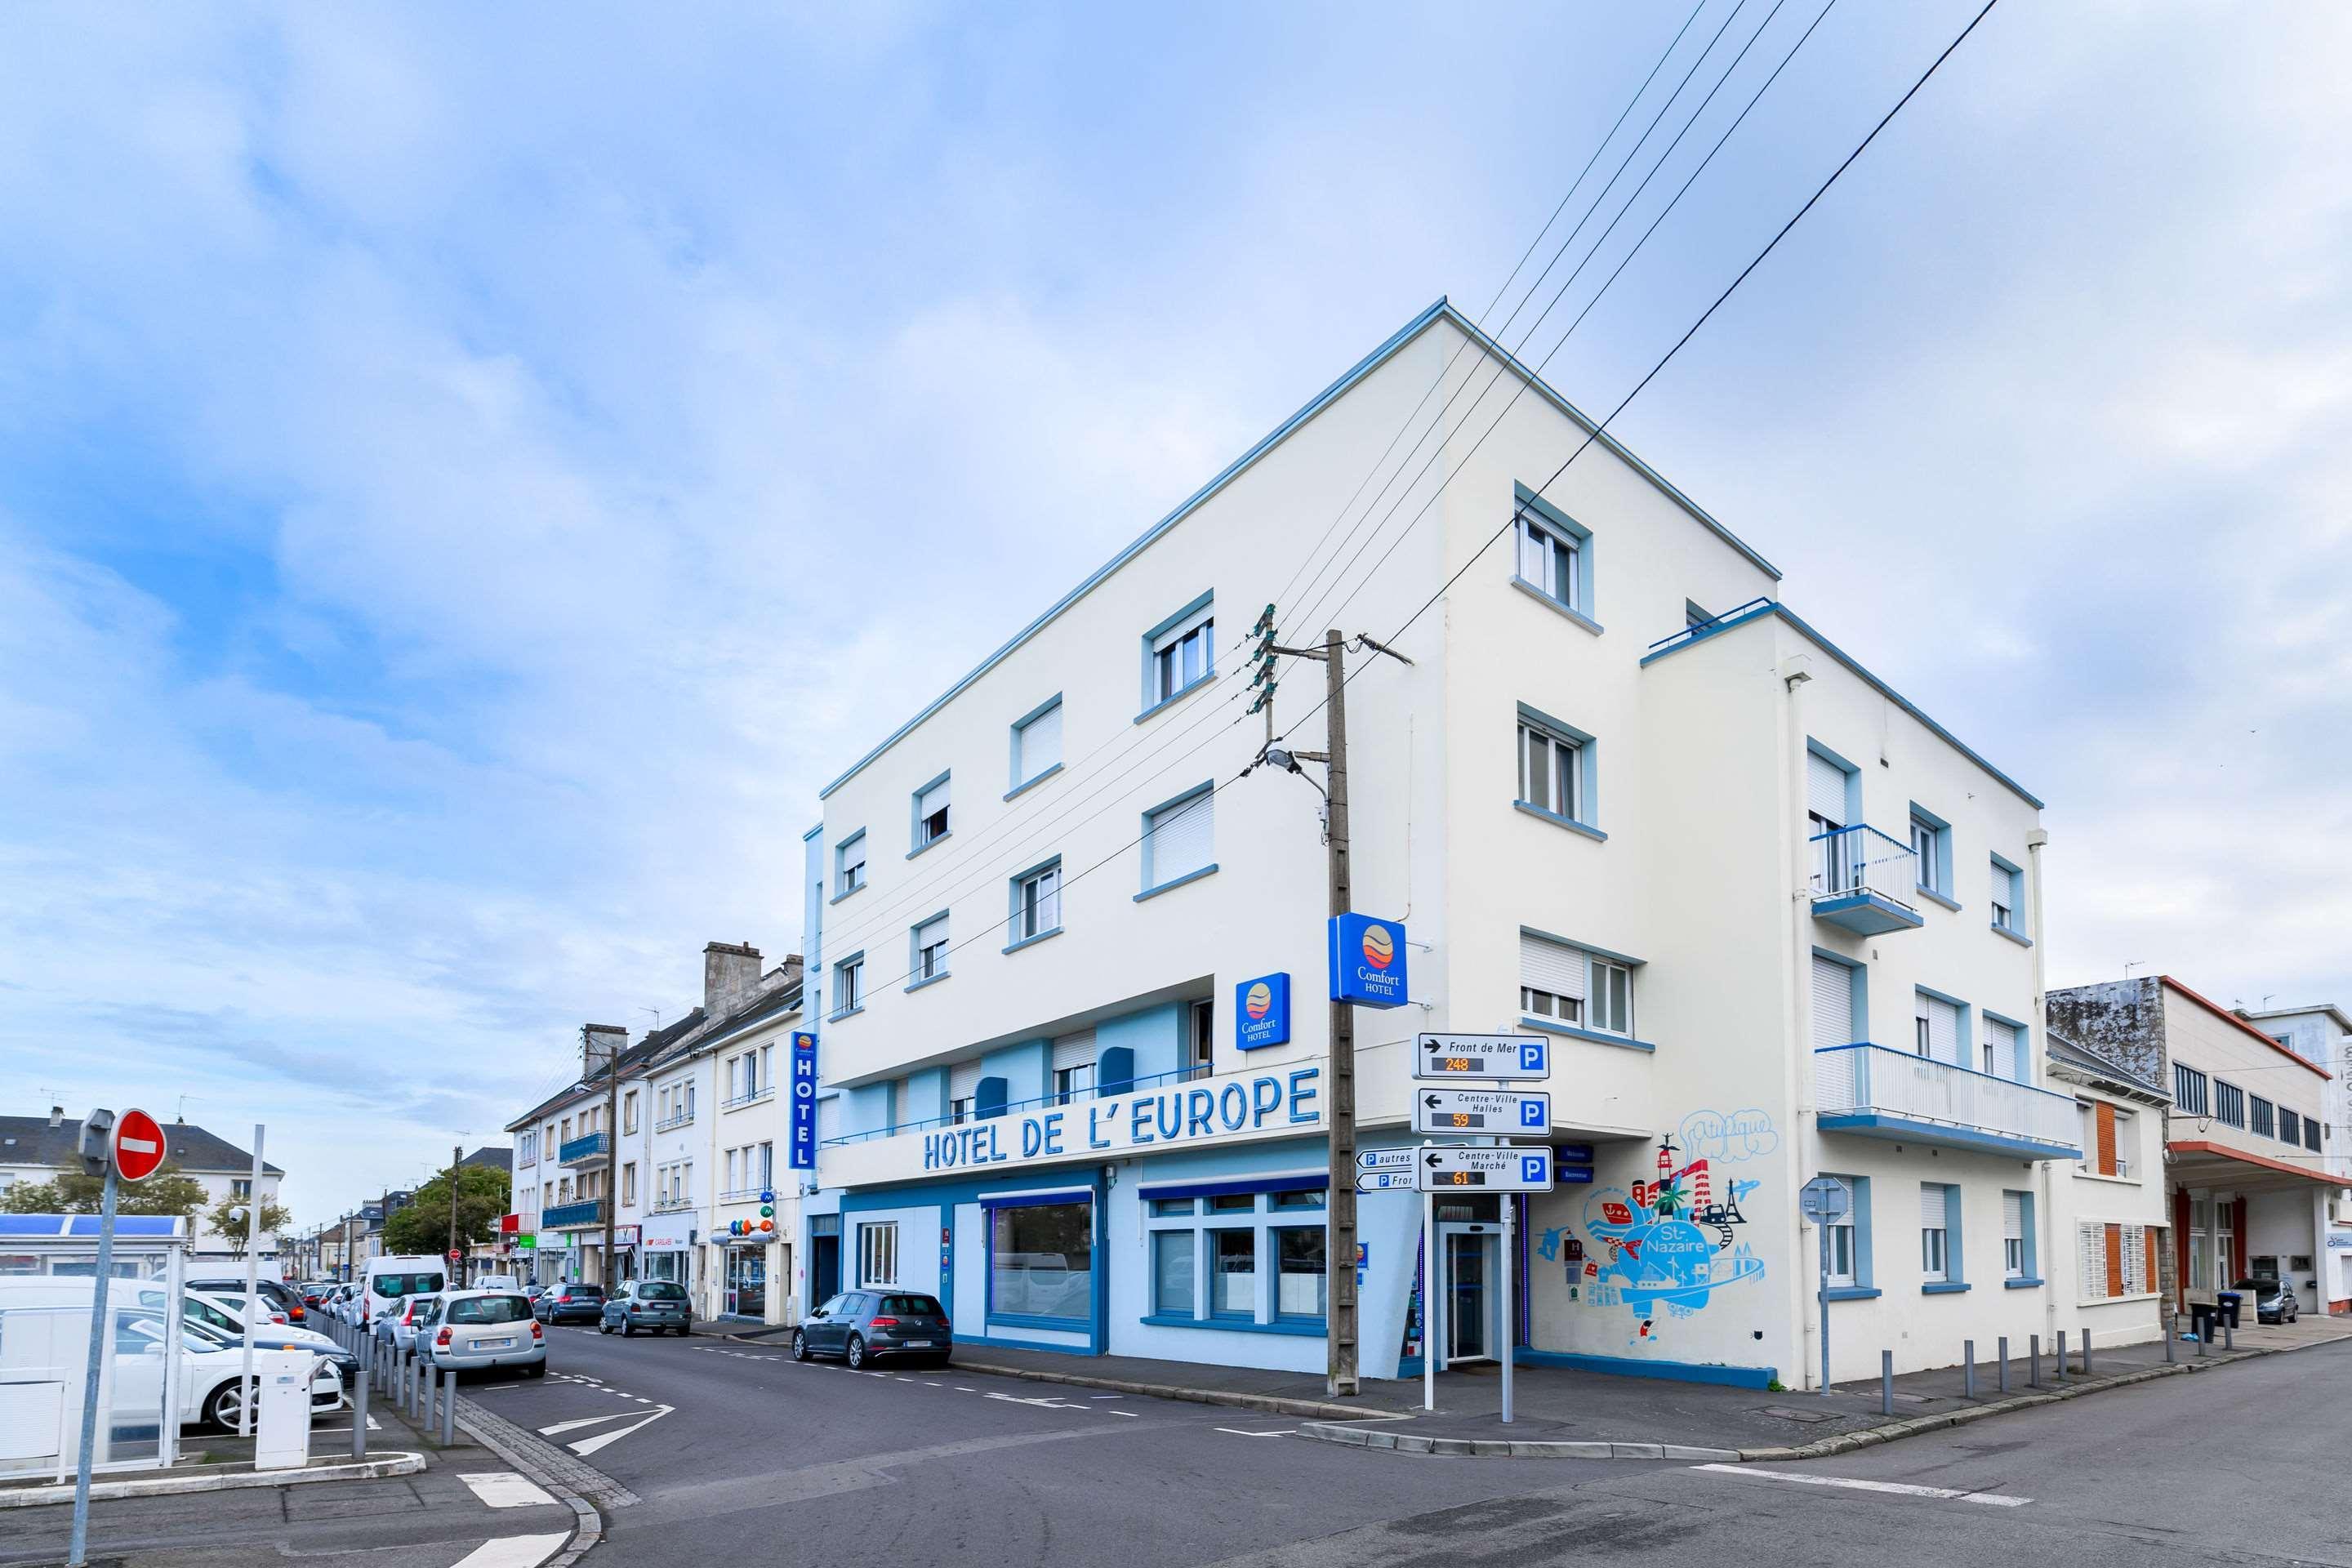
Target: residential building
x,y
2246,1181
2322,1033
1067,966
32,1149
2110,1224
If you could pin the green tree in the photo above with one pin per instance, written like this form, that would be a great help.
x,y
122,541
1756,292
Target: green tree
x,y
423,1226
227,1223
167,1191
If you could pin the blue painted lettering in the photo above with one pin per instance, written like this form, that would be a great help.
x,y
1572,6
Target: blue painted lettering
x,y
1169,1113
1302,1094
1202,1105
1266,1099
1050,1135
1233,1106
1139,1118
1095,1140
1033,1138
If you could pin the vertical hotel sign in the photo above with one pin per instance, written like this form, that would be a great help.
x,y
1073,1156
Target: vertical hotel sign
x,y
801,1154
1368,961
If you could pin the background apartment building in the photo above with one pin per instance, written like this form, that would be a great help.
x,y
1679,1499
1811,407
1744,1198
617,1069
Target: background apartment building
x,y
1069,966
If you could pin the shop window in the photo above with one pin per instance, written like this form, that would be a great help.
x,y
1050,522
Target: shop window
x,y
1171,1270
877,1254
1234,1279
1041,1262
1301,1278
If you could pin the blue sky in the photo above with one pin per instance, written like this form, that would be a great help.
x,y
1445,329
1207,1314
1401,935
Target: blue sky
x,y
464,480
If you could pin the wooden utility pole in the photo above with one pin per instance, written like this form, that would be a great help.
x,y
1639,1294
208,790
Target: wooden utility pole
x,y
1340,1370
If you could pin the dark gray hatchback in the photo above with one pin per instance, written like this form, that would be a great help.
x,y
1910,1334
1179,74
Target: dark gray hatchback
x,y
657,1305
862,1325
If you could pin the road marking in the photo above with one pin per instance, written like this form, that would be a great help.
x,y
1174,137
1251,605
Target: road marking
x,y
1897,1488
504,1489
960,1388
514,1550
1237,1432
1046,1402
1105,1396
1131,1415
588,1446
583,1421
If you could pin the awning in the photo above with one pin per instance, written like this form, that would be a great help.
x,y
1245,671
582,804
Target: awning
x,y
2200,1162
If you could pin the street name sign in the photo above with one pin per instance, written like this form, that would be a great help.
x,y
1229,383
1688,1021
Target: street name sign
x,y
1384,1160
1384,1180
1504,1170
1484,1111
1453,1057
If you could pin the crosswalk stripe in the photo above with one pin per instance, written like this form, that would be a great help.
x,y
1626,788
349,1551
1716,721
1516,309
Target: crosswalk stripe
x,y
1897,1488
514,1550
504,1489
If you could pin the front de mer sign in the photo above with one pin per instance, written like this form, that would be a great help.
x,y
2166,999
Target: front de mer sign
x,y
1175,1117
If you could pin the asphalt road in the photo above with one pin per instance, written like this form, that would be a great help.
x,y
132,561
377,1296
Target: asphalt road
x,y
737,1453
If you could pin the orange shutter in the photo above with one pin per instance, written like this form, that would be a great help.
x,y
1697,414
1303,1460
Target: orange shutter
x,y
2115,1261
2107,1139
2151,1257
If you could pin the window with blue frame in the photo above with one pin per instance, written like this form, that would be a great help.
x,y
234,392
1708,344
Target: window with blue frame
x,y
930,814
1041,1263
1849,1238
2008,897
1037,744
1179,838
1557,764
1254,1258
1552,554
849,864
1931,853
1180,653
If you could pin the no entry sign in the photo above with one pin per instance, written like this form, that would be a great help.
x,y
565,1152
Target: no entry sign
x,y
138,1146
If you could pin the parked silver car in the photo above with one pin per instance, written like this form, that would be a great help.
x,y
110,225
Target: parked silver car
x,y
485,1329
653,1305
396,1327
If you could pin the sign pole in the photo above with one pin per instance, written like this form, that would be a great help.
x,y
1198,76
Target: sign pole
x,y
1511,1313
1429,1301
78,1553
1824,1292
252,1288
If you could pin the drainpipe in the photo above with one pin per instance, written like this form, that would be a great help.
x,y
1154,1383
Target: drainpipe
x,y
1796,671
2036,840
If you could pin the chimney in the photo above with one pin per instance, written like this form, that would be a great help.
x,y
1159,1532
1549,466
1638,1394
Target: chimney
x,y
56,1115
730,974
603,1044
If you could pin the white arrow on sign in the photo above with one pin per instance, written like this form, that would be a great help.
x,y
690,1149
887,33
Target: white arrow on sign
x,y
1385,1182
1384,1160
1504,1170
1490,1058
1524,1112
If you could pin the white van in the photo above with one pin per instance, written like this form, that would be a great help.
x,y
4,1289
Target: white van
x,y
391,1281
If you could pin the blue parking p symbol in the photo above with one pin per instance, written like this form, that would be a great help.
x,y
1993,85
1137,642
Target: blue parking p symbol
x,y
1531,1167
1531,1055
1532,1113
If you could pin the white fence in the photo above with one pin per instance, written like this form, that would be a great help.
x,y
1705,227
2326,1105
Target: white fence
x,y
1873,1079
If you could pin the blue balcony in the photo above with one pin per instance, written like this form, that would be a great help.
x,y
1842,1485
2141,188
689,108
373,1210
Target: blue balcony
x,y
593,1149
1858,875
568,1217
1875,1092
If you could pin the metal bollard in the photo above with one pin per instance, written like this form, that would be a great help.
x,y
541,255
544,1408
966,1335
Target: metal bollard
x,y
2201,1338
424,1390
2033,1360
449,1409
1887,1382
2171,1323
1968,1368
2229,1335
2087,1353
359,1413
2062,1356
2004,1364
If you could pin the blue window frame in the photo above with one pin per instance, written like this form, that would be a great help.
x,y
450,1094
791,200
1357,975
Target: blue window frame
x,y
1179,840
1559,772
2019,1247
927,815
1179,655
927,951
849,865
1036,745
2009,899
1551,557
1931,855
1849,1251
1041,1254
848,985
1247,1254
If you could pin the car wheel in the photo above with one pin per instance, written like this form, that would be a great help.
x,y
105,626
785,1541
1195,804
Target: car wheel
x,y
628,1329
536,1369
800,1345
857,1352
222,1406
604,1325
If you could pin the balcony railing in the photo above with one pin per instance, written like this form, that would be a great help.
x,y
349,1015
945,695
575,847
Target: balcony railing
x,y
680,1119
1881,1093
1860,878
674,1205
765,1091
564,1216
1099,1091
593,1150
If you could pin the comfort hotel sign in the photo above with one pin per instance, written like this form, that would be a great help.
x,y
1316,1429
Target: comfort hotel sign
x,y
1179,1116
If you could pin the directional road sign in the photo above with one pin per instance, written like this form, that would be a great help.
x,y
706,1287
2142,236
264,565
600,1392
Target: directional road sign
x,y
1504,1170
138,1145
1384,1160
1823,1198
1483,1058
1384,1180
1525,1112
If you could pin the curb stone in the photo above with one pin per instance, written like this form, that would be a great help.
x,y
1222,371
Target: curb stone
x,y
501,1438
394,1464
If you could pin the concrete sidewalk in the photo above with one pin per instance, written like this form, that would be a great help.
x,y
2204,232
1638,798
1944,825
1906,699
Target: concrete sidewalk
x,y
1567,1413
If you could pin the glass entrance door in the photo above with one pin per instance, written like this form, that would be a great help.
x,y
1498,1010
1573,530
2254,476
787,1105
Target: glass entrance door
x,y
746,1282
1469,1298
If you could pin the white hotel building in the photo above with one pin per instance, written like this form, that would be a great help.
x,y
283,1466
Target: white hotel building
x,y
1776,921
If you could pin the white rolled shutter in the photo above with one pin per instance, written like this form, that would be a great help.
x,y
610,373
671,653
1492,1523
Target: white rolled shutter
x,y
2012,1215
1041,742
933,799
1074,1050
1932,1214
1552,967
1943,1030
964,1081
1824,789
1183,836
1833,1003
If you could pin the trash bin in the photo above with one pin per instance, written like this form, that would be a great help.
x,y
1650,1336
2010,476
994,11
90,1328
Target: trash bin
x,y
2227,1302
2202,1318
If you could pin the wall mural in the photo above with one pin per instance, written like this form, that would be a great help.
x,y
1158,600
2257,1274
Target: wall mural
x,y
1670,1243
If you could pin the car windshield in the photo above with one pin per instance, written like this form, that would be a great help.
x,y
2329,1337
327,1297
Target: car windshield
x,y
584,1291
488,1310
405,1284
2265,1286
911,1306
661,1290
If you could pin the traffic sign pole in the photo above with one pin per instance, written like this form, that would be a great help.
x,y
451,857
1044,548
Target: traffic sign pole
x,y
1824,1292
77,1550
245,1413
1432,1292
1510,1314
